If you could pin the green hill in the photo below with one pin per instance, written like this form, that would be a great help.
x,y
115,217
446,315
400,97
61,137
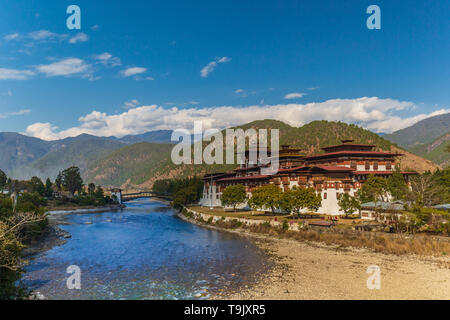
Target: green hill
x,y
427,138
436,151
425,131
136,163
77,151
18,150
141,164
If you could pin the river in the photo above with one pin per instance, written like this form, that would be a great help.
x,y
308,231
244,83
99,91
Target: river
x,y
144,252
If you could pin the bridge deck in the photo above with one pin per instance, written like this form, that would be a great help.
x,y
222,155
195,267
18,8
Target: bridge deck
x,y
144,194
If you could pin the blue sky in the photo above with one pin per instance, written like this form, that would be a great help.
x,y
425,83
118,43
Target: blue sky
x,y
137,66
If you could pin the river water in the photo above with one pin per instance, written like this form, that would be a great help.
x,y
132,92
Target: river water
x,y
144,252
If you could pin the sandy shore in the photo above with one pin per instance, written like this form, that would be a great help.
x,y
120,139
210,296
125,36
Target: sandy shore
x,y
308,271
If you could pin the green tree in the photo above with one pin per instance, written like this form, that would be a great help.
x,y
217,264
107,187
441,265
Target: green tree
x,y
91,188
37,186
267,196
349,204
99,193
184,197
233,195
71,180
396,185
298,198
58,181
374,189
48,188
3,179
15,228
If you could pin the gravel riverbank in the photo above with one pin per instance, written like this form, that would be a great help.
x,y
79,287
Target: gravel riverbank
x,y
311,270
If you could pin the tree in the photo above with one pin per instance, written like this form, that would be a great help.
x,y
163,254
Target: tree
x,y
3,179
297,199
233,195
349,204
91,188
58,181
71,180
48,188
37,186
267,196
374,189
14,229
426,191
99,193
396,185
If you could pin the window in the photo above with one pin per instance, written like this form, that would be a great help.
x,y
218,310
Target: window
x,y
353,164
324,195
367,165
375,165
388,165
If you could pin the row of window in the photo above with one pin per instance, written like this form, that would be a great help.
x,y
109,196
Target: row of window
x,y
353,165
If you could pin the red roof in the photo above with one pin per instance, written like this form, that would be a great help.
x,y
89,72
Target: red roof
x,y
334,168
248,168
256,177
327,168
381,172
350,144
342,153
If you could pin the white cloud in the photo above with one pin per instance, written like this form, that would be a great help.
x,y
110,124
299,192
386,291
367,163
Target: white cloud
x,y
80,37
313,88
14,74
42,35
107,59
239,91
15,113
224,59
66,67
12,36
131,104
212,65
372,113
95,27
294,95
43,130
133,71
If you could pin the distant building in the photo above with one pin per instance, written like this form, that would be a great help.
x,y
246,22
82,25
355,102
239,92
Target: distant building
x,y
445,206
378,209
341,169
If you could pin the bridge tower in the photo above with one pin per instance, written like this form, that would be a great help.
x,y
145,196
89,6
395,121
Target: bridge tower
x,y
118,193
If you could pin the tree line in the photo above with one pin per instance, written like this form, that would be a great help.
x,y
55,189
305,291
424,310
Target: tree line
x,y
183,191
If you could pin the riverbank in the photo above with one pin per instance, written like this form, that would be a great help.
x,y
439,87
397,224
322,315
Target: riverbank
x,y
82,209
314,270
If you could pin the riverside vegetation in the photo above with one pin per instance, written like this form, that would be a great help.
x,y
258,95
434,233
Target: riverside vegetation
x,y
24,220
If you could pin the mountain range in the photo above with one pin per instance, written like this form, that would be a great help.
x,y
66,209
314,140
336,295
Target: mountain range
x,y
22,157
428,138
136,161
